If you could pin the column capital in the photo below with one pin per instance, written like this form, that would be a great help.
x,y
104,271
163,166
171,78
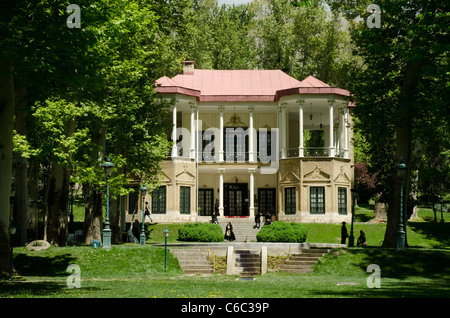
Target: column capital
x,y
251,108
221,108
251,170
300,102
221,170
331,102
283,105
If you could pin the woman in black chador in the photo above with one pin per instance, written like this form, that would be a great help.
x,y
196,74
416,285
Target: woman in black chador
x,y
229,235
362,239
344,233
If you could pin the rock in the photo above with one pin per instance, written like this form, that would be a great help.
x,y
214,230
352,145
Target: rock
x,y
38,245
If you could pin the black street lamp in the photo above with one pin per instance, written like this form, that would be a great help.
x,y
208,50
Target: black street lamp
x,y
144,190
401,232
351,238
108,165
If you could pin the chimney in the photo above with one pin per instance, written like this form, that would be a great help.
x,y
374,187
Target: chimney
x,y
188,67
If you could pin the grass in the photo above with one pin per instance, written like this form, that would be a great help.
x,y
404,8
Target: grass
x,y
130,270
133,271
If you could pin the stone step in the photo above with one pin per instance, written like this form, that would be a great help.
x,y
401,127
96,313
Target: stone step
x,y
247,262
193,261
303,262
299,262
243,230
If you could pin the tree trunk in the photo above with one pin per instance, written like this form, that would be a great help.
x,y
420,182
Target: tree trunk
x,y
57,205
92,225
58,198
7,103
33,195
404,113
93,217
21,174
379,212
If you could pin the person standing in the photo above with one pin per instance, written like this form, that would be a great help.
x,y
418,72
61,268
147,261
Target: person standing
x,y
147,211
344,233
258,220
229,235
216,211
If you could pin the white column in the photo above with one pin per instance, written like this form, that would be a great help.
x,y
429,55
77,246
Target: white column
x,y
331,134
192,148
221,172
221,136
174,132
252,192
346,127
283,130
300,127
251,152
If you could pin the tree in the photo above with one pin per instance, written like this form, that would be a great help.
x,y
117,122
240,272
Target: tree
x,y
85,83
405,60
6,129
302,40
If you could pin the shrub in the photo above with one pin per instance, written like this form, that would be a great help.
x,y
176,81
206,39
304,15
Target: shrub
x,y
280,231
200,232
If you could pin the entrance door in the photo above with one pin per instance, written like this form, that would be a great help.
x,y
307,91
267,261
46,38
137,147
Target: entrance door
x,y
266,200
205,201
235,199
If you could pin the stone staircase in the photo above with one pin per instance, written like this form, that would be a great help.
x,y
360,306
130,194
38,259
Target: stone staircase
x,y
242,228
247,263
193,260
303,262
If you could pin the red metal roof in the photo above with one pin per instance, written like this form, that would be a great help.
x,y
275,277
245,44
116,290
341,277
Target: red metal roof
x,y
242,85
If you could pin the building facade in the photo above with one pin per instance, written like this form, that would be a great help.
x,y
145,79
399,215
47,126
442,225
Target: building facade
x,y
255,141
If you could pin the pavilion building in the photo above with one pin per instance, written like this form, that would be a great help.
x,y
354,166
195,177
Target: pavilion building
x,y
256,141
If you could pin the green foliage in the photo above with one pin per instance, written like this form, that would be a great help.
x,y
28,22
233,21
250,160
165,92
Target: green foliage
x,y
219,263
280,231
200,232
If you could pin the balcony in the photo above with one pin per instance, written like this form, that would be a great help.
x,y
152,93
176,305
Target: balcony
x,y
243,157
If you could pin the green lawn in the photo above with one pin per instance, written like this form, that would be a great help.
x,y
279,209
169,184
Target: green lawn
x,y
134,271
130,270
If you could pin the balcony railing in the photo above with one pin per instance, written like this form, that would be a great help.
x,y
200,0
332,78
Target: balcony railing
x,y
316,152
211,157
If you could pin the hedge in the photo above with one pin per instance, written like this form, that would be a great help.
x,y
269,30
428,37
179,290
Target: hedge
x,y
200,232
280,231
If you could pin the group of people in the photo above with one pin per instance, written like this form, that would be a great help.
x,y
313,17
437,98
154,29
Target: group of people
x,y
135,230
268,219
344,234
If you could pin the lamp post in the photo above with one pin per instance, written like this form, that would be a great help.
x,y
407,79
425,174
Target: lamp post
x,y
108,165
166,235
144,190
351,238
12,232
401,232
